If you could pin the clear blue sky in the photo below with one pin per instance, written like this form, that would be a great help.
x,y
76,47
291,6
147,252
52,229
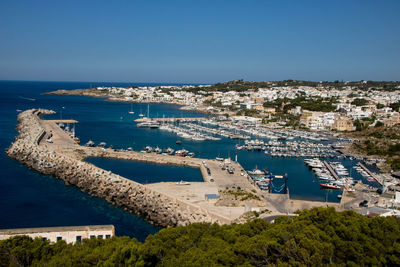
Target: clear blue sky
x,y
199,41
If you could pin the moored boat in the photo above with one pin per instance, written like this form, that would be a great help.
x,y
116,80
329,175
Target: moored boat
x,y
256,172
90,143
183,183
329,186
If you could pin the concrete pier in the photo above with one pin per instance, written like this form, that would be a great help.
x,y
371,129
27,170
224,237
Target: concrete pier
x,y
373,175
329,167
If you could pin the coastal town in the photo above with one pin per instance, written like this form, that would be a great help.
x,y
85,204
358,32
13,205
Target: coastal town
x,y
343,106
337,107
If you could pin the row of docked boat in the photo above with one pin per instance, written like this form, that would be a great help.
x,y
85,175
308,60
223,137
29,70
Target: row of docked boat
x,y
167,151
363,173
216,131
319,169
187,133
277,148
90,143
339,168
326,178
149,149
265,180
263,131
260,178
244,130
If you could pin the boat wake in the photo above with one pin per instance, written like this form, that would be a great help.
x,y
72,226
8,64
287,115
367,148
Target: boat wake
x,y
27,98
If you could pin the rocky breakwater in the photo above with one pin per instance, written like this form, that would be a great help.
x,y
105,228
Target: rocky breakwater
x,y
134,197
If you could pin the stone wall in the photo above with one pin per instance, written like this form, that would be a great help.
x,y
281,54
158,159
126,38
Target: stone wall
x,y
134,197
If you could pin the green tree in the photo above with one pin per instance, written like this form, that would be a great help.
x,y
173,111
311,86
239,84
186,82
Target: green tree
x,y
316,237
359,101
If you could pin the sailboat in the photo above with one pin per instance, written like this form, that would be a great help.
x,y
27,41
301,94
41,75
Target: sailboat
x,y
141,114
131,112
147,122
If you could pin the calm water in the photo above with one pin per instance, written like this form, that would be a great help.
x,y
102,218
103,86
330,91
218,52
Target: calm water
x,y
30,199
144,172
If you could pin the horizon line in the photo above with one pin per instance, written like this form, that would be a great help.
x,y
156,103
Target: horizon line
x,y
192,83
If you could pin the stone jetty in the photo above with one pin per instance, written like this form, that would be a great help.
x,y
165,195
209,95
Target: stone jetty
x,y
31,149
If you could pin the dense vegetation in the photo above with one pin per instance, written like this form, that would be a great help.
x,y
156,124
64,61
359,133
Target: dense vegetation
x,y
360,102
395,106
317,237
380,140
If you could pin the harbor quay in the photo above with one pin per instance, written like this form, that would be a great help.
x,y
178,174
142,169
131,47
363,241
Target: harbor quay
x,y
43,146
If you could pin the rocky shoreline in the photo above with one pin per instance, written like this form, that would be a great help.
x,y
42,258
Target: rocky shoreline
x,y
134,197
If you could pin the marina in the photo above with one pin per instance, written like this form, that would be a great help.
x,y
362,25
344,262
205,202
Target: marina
x,y
274,142
94,130
292,145
219,177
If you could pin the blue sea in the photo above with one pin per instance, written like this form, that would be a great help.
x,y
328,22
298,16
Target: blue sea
x,y
30,199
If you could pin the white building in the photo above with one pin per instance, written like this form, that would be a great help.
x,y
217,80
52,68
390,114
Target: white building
x,y
69,234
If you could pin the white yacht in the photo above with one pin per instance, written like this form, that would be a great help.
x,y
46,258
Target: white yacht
x,y
149,124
